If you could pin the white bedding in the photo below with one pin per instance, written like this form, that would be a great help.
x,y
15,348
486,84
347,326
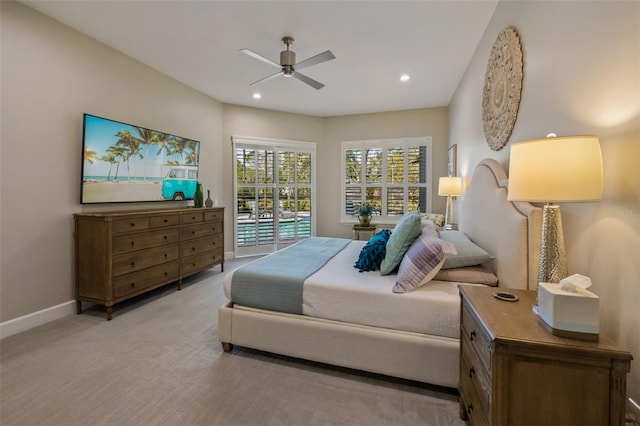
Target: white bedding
x,y
339,292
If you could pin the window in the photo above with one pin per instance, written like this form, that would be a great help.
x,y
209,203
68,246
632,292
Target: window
x,y
392,175
274,194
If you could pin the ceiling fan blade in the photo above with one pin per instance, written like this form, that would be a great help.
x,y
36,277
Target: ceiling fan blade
x,y
311,82
278,74
319,58
260,57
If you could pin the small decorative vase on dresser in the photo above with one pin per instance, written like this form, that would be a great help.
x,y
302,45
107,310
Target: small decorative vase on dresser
x,y
120,255
514,372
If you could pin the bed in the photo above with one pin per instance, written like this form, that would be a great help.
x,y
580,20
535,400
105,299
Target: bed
x,y
366,326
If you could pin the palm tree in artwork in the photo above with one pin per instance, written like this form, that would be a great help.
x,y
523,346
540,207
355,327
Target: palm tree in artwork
x,y
147,138
163,141
184,146
90,156
110,158
118,153
132,149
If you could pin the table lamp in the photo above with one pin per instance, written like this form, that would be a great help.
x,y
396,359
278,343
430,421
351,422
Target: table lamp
x,y
449,186
555,170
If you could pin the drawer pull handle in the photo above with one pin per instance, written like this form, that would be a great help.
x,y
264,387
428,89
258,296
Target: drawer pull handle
x,y
193,218
133,264
194,265
165,255
472,335
133,224
193,249
469,408
133,285
165,221
133,243
166,274
193,232
165,238
472,371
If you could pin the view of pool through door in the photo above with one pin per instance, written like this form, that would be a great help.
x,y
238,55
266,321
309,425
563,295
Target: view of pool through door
x,y
274,191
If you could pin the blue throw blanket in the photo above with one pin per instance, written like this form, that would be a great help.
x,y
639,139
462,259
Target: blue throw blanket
x,y
275,282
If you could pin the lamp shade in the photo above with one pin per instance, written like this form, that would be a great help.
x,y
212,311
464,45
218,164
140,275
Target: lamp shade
x,y
450,185
562,169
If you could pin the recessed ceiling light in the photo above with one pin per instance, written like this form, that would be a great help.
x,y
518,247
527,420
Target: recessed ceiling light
x,y
404,77
257,95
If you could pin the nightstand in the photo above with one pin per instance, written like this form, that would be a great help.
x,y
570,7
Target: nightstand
x,y
357,229
514,372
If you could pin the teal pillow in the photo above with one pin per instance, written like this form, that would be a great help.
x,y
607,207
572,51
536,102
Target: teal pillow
x,y
469,254
405,233
373,252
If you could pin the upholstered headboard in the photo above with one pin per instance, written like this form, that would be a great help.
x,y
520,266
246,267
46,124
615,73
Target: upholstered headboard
x,y
509,231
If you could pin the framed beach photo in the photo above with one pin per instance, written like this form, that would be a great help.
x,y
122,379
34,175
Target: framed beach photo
x,y
452,167
127,163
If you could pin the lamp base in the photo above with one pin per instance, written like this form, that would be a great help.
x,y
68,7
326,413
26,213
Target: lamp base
x,y
553,258
448,214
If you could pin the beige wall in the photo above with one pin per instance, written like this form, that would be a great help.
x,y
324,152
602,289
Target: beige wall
x,y
255,122
50,76
418,122
581,76
328,133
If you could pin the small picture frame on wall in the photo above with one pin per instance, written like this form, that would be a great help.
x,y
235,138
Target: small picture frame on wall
x,y
452,164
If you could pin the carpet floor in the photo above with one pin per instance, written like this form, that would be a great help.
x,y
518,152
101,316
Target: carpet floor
x,y
159,362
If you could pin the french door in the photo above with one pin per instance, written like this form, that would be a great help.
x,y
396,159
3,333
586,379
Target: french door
x,y
274,191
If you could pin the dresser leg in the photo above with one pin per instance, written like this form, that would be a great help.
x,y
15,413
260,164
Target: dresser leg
x,y
78,306
222,267
109,310
180,284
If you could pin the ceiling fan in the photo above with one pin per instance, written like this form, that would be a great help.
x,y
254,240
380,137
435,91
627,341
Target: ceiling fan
x,y
288,65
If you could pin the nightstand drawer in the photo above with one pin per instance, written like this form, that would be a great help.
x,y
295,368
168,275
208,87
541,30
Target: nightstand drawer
x,y
472,409
472,373
475,336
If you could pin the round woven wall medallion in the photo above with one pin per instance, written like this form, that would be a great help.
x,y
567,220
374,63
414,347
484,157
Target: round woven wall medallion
x,y
502,88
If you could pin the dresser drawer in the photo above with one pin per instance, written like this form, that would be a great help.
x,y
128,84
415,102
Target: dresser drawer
x,y
195,263
134,223
473,373
475,335
138,241
192,217
164,220
142,259
203,230
141,280
213,216
200,245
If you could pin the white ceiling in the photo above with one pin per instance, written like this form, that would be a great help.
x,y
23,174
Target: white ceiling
x,y
198,42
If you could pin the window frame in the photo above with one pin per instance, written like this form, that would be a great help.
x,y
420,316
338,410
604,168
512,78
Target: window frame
x,y
384,144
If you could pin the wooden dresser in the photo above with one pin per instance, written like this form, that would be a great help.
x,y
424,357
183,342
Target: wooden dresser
x,y
514,372
120,255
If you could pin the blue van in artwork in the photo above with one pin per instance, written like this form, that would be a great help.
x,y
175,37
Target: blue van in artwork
x,y
179,183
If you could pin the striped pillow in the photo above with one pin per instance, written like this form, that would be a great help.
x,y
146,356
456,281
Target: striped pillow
x,y
422,262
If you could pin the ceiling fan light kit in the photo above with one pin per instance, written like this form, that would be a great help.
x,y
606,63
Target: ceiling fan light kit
x,y
288,66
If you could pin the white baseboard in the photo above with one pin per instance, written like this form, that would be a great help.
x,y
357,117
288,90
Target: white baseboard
x,y
26,322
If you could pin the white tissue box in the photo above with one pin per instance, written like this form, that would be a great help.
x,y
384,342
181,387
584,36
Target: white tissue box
x,y
569,314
